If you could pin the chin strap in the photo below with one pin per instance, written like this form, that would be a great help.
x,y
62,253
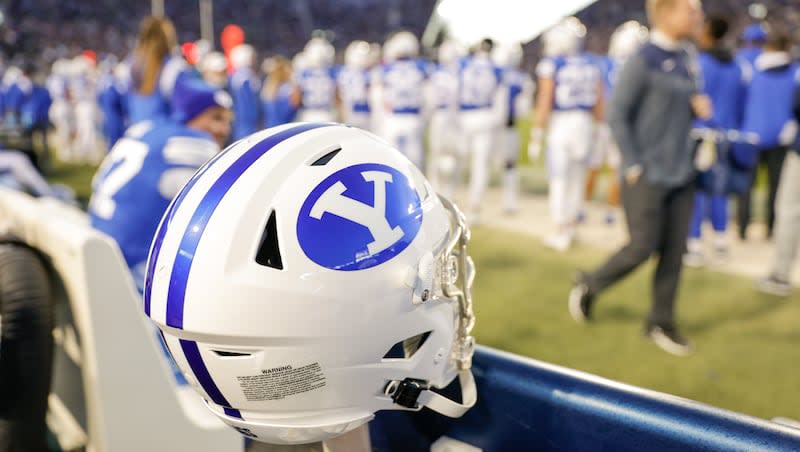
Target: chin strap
x,y
415,394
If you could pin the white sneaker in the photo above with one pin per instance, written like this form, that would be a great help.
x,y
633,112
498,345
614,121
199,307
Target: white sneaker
x,y
694,259
559,242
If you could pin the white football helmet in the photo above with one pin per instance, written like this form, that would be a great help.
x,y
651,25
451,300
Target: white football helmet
x,y
357,54
626,39
243,55
507,55
564,38
449,52
307,277
403,44
319,53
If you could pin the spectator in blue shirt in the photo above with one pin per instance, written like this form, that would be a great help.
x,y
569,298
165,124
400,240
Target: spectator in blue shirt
x,y
280,96
753,38
768,110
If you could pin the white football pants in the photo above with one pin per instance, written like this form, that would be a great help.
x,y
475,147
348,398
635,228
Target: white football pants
x,y
569,140
404,131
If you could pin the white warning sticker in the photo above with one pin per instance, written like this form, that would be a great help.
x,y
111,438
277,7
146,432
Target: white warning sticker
x,y
280,382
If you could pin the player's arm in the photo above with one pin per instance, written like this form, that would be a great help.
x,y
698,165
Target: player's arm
x,y
545,96
622,110
599,110
185,155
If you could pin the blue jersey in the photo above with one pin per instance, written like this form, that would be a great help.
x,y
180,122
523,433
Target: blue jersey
x,y
517,83
478,82
444,86
403,83
769,102
749,54
576,80
17,95
318,88
34,112
724,80
143,107
244,88
110,97
279,110
354,89
138,179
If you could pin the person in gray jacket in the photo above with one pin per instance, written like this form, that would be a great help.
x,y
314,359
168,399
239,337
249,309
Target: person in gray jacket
x,y
650,115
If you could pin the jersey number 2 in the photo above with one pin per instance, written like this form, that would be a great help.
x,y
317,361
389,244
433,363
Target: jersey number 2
x,y
123,163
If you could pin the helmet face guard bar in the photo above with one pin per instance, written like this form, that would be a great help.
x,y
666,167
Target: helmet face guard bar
x,y
454,273
456,276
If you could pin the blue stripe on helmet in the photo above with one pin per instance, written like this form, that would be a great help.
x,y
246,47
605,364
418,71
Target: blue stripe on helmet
x,y
232,412
194,231
192,353
158,239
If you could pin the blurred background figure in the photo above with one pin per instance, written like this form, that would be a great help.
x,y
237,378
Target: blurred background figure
x,y
151,163
767,113
520,87
155,70
244,88
353,82
317,81
625,41
231,37
568,103
61,113
724,80
482,104
753,38
402,85
214,69
443,124
787,219
86,146
655,100
280,96
112,92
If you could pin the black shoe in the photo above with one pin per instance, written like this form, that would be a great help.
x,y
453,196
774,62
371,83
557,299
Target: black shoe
x,y
580,300
774,286
669,340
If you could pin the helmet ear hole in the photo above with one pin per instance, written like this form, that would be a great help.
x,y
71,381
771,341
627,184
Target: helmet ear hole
x,y
406,348
269,253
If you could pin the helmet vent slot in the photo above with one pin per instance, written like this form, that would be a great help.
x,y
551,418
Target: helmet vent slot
x,y
406,348
227,354
322,161
269,253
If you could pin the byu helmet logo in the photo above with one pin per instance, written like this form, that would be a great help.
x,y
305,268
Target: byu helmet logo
x,y
359,217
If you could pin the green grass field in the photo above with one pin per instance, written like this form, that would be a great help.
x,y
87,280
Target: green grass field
x,y
748,344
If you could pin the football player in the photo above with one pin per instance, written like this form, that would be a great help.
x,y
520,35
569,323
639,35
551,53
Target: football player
x,y
401,85
245,88
151,162
520,88
443,127
482,104
568,103
353,82
317,81
61,112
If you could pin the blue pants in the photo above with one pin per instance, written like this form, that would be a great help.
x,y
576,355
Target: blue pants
x,y
713,207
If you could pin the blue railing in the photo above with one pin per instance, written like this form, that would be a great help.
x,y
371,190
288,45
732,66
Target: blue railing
x,y
525,404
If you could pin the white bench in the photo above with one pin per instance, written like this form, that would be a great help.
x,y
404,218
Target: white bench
x,y
132,402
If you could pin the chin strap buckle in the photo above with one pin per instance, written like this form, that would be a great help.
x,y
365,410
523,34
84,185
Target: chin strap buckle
x,y
405,393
